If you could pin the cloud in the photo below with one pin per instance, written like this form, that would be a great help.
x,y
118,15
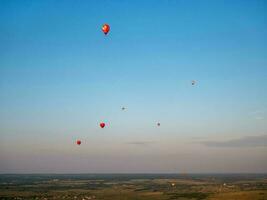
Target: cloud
x,y
199,138
258,115
248,141
256,112
140,143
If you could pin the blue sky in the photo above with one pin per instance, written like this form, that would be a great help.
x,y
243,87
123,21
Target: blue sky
x,y
60,76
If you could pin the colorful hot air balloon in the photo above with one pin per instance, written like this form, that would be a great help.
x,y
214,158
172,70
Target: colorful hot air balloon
x,y
105,29
102,124
78,142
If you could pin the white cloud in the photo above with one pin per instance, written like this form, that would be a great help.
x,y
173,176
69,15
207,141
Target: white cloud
x,y
248,141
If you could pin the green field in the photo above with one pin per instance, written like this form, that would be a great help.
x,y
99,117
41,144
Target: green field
x,y
136,187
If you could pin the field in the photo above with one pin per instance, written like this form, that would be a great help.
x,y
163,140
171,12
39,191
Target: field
x,y
134,186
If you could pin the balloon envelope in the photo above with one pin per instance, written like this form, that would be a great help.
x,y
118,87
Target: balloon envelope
x,y
105,29
78,142
102,124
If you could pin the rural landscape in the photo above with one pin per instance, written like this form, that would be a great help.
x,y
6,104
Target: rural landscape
x,y
134,186
133,100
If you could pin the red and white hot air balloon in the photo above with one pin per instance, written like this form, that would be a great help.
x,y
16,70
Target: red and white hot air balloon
x,y
105,29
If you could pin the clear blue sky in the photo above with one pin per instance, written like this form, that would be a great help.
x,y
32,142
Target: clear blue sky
x,y
60,76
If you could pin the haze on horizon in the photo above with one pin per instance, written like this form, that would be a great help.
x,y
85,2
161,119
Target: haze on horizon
x,y
60,76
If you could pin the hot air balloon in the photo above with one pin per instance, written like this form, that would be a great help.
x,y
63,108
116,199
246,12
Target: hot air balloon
x,y
105,29
78,142
123,108
158,124
193,82
102,124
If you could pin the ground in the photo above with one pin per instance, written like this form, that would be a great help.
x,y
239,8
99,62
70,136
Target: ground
x,y
134,187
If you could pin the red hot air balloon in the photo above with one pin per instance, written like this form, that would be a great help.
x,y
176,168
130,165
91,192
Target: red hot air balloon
x,y
102,124
105,29
78,142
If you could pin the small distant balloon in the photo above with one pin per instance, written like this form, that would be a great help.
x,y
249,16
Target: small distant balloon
x,y
105,29
78,142
158,124
123,108
102,124
193,82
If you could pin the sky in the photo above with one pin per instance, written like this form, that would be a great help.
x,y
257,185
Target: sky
x,y
60,76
